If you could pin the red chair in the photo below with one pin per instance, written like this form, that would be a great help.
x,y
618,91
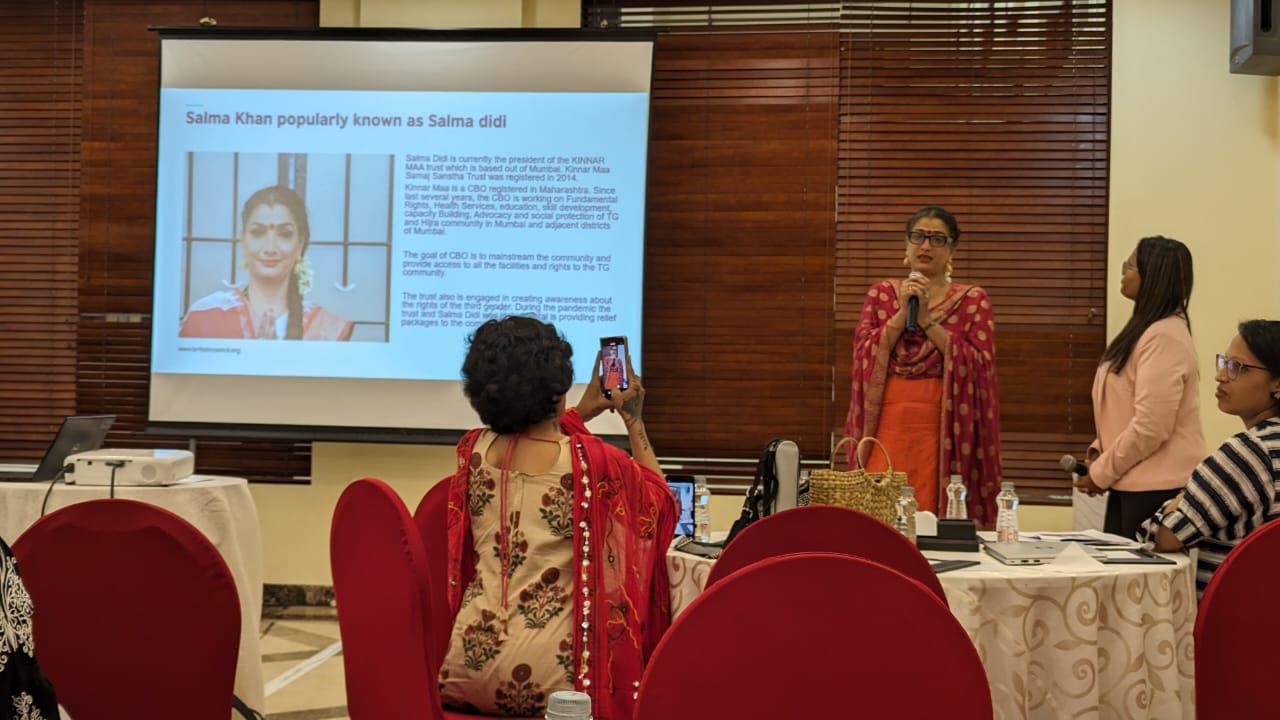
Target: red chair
x,y
1233,663
383,588
815,635
825,528
432,524
136,613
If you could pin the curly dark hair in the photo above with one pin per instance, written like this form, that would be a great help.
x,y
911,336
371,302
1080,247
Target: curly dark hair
x,y
516,370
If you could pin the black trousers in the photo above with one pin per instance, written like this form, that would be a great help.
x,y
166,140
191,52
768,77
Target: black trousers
x,y
1126,511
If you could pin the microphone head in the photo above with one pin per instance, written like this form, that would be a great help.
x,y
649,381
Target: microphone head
x,y
1068,463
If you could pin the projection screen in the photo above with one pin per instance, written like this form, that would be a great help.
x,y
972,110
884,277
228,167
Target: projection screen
x,y
336,213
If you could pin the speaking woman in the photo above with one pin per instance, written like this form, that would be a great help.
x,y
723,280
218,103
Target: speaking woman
x,y
929,394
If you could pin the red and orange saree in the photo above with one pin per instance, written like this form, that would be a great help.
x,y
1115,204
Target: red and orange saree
x,y
624,519
959,392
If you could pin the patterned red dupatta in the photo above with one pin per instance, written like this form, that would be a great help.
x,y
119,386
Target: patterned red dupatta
x,y
970,419
624,519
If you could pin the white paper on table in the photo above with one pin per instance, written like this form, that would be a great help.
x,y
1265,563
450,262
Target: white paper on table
x,y
1075,558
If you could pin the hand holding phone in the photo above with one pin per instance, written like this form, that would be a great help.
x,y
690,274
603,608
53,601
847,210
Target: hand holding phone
x,y
613,364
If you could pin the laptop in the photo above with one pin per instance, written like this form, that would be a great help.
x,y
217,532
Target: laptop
x,y
78,433
682,488
1024,553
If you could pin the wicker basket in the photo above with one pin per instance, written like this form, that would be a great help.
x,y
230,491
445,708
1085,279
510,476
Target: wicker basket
x,y
874,493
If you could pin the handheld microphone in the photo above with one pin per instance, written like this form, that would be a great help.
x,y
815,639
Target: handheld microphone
x,y
913,310
1071,465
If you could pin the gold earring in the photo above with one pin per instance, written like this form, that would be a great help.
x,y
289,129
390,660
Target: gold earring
x,y
949,268
906,261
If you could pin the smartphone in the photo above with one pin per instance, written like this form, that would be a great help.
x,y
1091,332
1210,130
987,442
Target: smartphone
x,y
682,487
613,363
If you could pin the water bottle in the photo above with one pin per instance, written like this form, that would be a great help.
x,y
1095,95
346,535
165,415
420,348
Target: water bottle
x,y
701,510
956,493
1007,513
907,506
569,705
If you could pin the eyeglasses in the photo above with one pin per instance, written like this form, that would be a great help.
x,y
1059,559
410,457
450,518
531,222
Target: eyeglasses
x,y
917,237
1126,266
1234,367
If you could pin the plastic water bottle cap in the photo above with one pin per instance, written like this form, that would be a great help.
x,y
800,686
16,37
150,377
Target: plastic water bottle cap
x,y
1006,485
568,705
908,490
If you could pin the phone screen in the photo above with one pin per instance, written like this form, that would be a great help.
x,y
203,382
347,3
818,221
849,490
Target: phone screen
x,y
613,363
682,487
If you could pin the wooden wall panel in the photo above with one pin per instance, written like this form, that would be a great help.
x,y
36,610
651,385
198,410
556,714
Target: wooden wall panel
x,y
117,209
41,49
738,270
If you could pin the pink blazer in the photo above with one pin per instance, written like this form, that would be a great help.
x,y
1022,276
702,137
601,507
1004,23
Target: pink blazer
x,y
1148,416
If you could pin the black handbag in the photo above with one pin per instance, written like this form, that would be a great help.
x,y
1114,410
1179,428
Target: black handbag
x,y
762,496
761,500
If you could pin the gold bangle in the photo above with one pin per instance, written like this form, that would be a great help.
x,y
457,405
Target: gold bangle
x,y
925,329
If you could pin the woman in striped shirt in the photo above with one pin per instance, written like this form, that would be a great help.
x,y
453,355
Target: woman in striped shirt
x,y
1232,492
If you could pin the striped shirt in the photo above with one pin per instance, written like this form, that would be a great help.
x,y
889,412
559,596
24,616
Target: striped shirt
x,y
1229,495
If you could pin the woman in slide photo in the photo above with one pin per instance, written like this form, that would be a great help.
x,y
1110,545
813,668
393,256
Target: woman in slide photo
x,y
271,305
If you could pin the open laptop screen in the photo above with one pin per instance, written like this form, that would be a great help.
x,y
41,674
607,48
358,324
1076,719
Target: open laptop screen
x,y
78,433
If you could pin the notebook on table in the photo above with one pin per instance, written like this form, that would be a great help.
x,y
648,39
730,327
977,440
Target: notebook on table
x,y
78,433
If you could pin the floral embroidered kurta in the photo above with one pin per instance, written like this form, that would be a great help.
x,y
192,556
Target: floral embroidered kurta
x,y
969,421
623,520
488,668
25,694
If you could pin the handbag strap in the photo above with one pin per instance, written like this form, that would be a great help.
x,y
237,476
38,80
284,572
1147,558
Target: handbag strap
x,y
857,454
767,476
836,450
245,711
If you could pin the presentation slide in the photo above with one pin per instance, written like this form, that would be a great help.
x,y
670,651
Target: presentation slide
x,y
334,220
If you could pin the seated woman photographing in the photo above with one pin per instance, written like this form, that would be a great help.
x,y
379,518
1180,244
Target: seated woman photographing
x,y
557,540
1233,491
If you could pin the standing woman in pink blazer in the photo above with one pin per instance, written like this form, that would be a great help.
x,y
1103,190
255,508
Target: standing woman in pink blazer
x,y
1146,392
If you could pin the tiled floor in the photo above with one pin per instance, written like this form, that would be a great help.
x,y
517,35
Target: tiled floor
x,y
302,682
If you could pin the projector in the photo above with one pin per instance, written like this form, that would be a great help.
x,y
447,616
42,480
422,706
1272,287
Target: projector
x,y
131,466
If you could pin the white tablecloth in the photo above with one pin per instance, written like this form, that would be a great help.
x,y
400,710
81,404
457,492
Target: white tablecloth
x,y
222,508
1069,639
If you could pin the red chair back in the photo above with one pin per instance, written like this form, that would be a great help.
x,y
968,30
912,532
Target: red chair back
x,y
1233,664
825,528
433,523
136,613
381,588
815,635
